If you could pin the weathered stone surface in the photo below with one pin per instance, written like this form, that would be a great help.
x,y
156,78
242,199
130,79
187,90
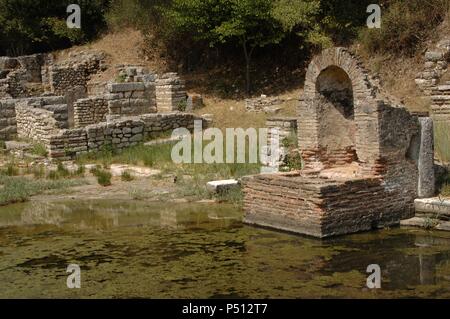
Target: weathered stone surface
x,y
125,87
119,133
170,93
426,183
15,145
263,104
137,171
434,206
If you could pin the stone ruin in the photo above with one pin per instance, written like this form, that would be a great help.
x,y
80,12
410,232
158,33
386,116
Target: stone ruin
x,y
59,106
263,104
365,159
431,83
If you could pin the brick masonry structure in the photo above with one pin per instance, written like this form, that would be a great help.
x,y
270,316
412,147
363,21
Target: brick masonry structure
x,y
360,154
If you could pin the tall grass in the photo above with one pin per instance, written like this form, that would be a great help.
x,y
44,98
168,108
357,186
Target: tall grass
x,y
190,178
19,189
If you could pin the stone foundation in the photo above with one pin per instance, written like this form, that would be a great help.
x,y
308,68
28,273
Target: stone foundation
x,y
305,204
117,134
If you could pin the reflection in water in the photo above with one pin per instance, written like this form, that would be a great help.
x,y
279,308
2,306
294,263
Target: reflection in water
x,y
139,249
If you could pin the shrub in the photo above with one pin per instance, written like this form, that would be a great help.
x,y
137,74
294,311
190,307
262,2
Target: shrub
x,y
39,149
233,196
37,26
126,176
103,177
405,26
294,161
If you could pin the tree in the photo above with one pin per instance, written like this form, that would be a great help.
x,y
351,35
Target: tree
x,y
40,25
247,23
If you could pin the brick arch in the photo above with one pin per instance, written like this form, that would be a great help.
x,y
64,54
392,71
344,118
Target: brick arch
x,y
366,142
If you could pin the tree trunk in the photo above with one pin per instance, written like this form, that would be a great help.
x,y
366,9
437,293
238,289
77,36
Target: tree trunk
x,y
248,56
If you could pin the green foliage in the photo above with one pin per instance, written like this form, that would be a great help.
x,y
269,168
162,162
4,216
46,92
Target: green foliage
x,y
233,196
405,27
19,189
40,25
80,170
62,170
39,149
38,171
11,169
182,105
121,78
103,177
294,161
247,24
126,176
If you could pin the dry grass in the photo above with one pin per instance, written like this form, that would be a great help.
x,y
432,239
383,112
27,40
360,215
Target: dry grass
x,y
230,113
397,78
122,47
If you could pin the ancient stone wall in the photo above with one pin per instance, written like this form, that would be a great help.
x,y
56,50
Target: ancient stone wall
x,y
67,144
436,63
117,134
440,99
8,125
90,110
170,93
263,104
74,72
34,123
131,98
18,73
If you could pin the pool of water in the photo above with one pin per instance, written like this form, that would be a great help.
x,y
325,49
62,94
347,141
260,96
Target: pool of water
x,y
171,250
